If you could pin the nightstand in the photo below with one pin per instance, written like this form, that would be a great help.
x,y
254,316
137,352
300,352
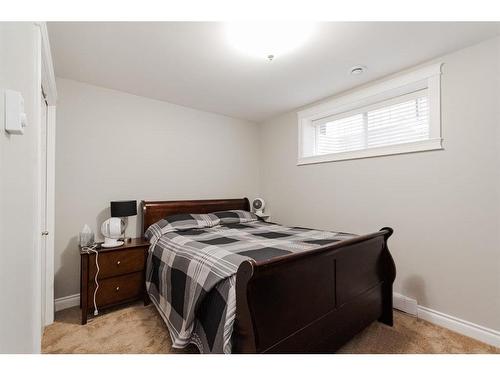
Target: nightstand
x,y
121,276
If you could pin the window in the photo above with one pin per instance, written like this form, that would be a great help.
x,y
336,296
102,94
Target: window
x,y
396,116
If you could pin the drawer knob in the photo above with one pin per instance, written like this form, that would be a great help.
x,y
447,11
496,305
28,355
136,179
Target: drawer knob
x,y
118,263
117,288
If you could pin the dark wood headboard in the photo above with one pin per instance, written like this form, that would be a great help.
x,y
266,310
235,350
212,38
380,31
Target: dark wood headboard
x,y
153,211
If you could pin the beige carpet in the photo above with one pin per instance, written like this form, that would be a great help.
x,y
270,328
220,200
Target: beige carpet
x,y
139,329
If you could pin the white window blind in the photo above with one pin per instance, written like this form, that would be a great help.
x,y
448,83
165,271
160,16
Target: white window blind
x,y
400,120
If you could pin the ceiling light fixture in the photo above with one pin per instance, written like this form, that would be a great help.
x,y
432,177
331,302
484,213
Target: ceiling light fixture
x,y
357,70
268,39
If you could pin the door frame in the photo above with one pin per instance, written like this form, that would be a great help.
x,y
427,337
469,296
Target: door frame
x,y
48,85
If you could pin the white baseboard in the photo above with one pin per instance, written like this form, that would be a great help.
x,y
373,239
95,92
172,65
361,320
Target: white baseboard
x,y
475,331
406,304
67,302
480,333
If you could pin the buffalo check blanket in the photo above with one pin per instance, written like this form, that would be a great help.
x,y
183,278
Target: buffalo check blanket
x,y
192,264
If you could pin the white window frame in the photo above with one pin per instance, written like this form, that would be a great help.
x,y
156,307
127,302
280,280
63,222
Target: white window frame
x,y
428,78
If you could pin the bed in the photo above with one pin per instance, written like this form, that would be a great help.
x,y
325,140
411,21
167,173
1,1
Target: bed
x,y
308,291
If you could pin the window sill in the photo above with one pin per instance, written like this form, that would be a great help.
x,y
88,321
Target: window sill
x,y
406,148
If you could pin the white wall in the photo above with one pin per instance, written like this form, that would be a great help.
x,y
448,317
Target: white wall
x,y
111,145
19,276
444,206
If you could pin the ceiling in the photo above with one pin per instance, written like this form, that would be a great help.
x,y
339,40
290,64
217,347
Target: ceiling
x,y
192,64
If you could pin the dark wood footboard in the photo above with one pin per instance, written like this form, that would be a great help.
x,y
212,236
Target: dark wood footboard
x,y
314,302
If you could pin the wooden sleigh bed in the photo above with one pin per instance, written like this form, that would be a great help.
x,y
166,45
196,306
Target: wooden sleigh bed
x,y
308,302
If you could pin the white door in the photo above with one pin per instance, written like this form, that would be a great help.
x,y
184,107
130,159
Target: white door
x,y
46,211
43,201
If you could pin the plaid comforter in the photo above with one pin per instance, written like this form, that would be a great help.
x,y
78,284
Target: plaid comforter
x,y
192,264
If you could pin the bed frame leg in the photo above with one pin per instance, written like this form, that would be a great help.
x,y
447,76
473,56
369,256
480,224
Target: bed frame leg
x,y
387,313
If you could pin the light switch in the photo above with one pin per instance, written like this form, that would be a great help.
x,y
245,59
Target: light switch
x,y
15,118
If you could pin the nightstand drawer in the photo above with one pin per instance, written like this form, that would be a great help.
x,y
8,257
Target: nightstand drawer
x,y
117,289
119,262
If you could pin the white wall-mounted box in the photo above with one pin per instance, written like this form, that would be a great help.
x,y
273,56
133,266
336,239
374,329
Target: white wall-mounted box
x,y
15,117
